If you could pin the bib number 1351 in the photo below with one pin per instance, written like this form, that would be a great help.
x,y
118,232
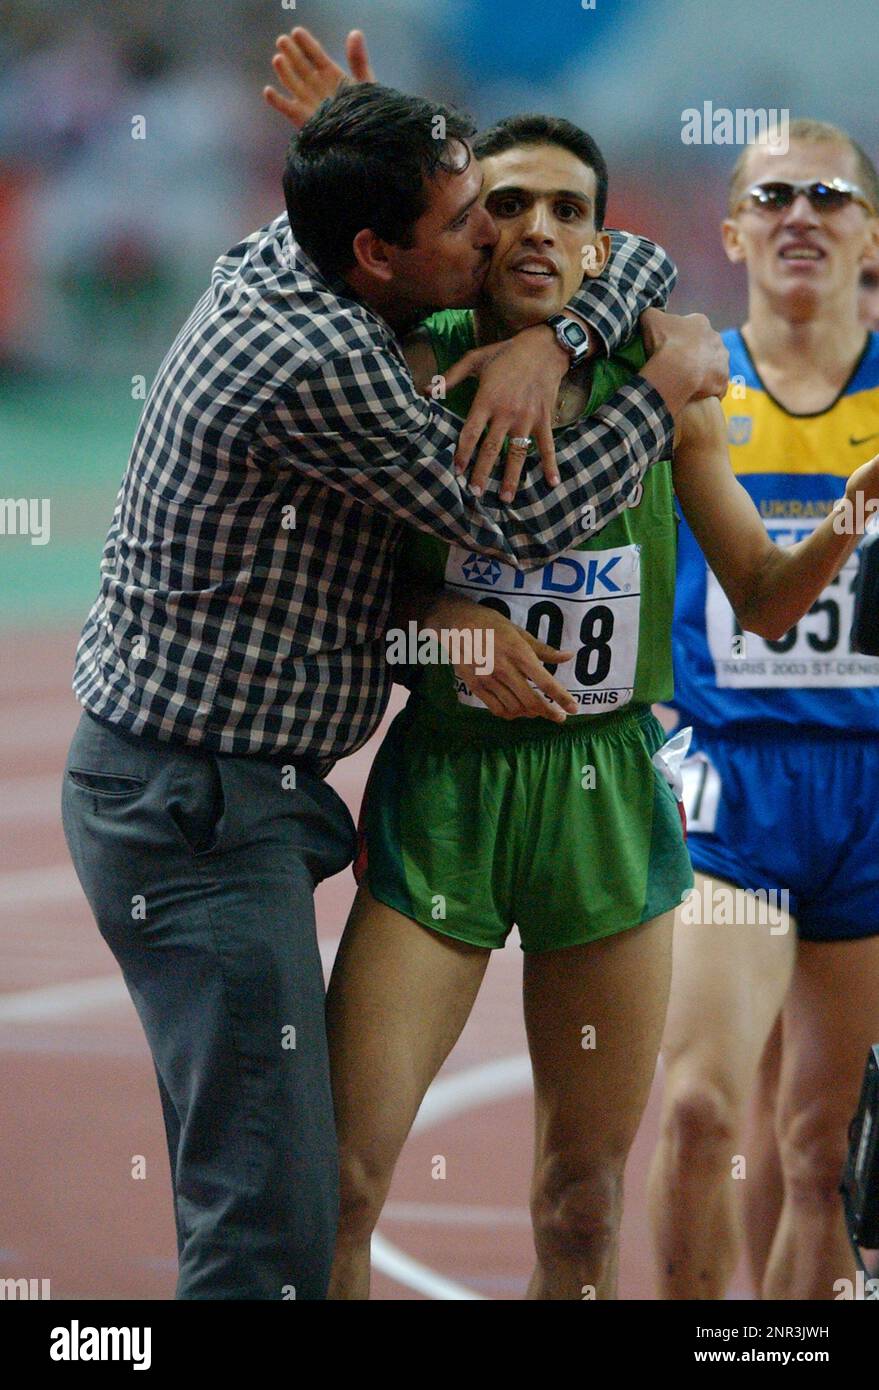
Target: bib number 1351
x,y
815,653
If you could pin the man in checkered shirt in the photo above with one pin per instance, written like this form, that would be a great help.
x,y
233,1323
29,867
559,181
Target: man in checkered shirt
x,y
236,648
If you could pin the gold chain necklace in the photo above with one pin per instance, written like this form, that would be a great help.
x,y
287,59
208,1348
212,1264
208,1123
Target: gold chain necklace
x,y
561,402
564,396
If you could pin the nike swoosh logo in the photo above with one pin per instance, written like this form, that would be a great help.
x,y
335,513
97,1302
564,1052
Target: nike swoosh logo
x,y
866,439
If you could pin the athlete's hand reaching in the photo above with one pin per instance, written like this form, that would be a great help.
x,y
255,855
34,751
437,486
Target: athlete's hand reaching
x,y
517,659
864,481
309,74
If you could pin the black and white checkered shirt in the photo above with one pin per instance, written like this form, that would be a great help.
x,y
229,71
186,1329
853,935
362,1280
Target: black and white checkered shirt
x,y
246,579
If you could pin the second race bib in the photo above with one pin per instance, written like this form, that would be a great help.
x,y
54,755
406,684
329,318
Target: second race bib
x,y
816,653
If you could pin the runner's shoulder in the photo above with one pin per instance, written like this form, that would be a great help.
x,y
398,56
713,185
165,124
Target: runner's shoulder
x,y
450,332
867,375
740,365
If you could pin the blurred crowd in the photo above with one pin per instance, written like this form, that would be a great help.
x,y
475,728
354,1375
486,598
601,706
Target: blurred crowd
x,y
135,148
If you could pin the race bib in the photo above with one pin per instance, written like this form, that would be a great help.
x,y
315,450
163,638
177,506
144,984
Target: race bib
x,y
815,654
585,601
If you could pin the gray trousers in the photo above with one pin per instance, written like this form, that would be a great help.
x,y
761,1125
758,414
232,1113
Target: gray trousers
x,y
200,870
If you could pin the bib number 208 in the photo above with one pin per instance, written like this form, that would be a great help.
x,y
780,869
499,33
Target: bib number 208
x,y
593,657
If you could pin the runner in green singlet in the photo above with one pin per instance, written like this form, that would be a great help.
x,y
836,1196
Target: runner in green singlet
x,y
476,818
472,821
612,854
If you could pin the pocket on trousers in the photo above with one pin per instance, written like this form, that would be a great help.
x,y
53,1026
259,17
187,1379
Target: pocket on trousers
x,y
105,783
197,803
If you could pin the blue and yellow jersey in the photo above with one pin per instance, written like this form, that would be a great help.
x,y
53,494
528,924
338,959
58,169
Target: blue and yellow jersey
x,y
795,467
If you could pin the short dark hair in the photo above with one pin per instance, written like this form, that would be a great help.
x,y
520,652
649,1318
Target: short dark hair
x,y
364,159
548,130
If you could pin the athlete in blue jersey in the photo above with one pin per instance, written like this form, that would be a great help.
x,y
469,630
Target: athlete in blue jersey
x,y
781,785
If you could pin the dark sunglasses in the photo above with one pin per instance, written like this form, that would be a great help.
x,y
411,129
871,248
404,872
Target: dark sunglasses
x,y
824,195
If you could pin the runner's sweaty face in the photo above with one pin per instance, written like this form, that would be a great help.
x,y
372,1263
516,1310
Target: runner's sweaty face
x,y
799,257
542,200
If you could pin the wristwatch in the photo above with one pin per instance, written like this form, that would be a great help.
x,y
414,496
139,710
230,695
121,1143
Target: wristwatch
x,y
571,336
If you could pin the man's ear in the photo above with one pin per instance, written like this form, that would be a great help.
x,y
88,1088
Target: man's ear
x,y
596,255
372,254
732,240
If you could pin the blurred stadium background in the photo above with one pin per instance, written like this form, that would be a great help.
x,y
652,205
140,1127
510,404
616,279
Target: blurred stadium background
x,y
105,242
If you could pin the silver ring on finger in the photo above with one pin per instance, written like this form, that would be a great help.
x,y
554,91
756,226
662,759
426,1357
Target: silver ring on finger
x,y
521,441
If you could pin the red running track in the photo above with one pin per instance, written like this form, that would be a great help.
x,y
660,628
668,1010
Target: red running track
x,y
79,1099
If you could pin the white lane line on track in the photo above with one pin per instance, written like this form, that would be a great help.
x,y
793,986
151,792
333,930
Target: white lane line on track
x,y
52,884
448,1097
404,1270
450,1214
76,997
62,1001
464,1090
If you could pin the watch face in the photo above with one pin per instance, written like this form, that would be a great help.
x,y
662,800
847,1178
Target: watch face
x,y
575,336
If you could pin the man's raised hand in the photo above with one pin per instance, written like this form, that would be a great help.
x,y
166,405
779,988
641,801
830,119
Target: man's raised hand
x,y
687,359
309,74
